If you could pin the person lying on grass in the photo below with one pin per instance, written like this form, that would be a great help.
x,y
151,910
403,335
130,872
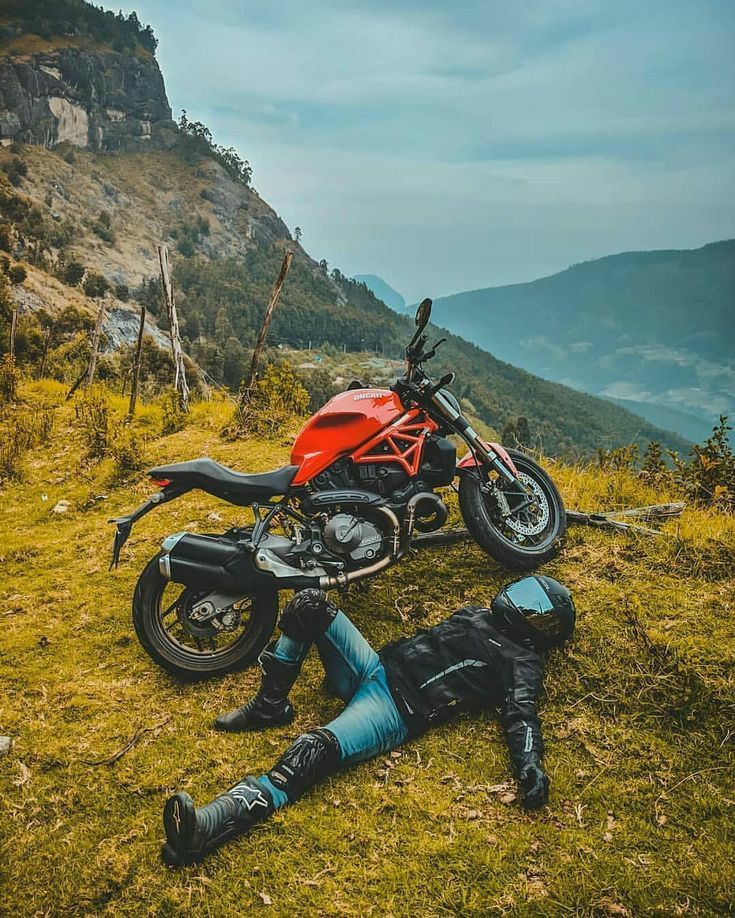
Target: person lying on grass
x,y
475,660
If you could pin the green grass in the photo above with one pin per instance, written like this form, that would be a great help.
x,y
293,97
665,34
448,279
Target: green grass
x,y
637,719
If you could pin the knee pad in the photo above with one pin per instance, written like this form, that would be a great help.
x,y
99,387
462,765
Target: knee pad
x,y
310,758
307,615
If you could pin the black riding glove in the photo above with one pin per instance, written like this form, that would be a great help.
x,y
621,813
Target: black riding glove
x,y
534,785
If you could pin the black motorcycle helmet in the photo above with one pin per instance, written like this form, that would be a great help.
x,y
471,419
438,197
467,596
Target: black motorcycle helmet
x,y
536,609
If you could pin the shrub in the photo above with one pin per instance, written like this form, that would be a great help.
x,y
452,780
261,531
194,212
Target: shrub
x,y
16,170
17,274
320,386
92,414
73,273
95,284
105,436
517,433
103,228
7,237
185,247
619,459
709,476
174,416
275,401
122,292
654,471
127,449
23,430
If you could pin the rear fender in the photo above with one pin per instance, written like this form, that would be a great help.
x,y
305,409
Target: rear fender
x,y
469,461
124,524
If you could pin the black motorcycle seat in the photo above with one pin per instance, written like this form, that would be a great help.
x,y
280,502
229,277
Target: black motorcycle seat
x,y
217,479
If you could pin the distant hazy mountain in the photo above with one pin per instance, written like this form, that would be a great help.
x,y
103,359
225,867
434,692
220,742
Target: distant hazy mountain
x,y
382,290
652,328
687,425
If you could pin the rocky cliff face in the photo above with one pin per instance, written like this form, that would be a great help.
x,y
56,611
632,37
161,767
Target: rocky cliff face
x,y
95,99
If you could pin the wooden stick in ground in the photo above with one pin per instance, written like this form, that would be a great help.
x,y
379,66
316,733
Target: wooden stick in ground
x,y
13,331
75,385
267,318
136,364
95,345
180,383
42,365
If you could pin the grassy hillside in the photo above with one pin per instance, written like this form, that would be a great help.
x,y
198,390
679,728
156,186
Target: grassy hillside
x,y
108,213
644,326
638,720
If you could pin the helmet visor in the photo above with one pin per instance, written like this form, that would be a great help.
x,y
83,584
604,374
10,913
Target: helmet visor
x,y
530,595
535,604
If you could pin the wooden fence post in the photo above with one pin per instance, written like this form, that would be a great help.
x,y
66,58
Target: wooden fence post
x,y
180,383
13,330
44,353
95,345
136,364
267,318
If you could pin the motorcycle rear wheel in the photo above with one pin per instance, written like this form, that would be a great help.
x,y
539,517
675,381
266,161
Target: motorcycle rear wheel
x,y
523,543
177,644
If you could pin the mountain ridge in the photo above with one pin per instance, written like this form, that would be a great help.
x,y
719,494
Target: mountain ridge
x,y
382,290
651,326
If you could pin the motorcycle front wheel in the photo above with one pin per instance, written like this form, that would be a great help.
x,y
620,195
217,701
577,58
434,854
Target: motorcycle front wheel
x,y
190,649
520,541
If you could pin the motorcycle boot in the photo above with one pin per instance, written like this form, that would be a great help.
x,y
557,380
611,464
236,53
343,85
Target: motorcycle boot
x,y
194,832
270,707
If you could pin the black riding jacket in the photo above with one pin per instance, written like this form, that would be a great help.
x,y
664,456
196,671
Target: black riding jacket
x,y
466,664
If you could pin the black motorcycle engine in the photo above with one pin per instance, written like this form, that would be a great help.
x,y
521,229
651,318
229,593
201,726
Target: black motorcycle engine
x,y
358,539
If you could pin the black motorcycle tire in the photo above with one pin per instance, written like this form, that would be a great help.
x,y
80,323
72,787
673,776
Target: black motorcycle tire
x,y
190,665
484,531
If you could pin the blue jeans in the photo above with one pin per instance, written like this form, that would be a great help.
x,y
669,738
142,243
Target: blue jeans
x,y
370,724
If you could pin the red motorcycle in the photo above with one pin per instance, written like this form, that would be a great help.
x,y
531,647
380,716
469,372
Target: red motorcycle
x,y
363,479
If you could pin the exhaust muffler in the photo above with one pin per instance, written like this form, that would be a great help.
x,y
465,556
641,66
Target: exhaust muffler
x,y
205,562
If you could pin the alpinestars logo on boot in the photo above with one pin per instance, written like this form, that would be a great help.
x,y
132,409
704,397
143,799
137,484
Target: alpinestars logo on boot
x,y
250,796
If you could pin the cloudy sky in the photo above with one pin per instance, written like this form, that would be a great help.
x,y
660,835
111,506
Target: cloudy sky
x,y
452,145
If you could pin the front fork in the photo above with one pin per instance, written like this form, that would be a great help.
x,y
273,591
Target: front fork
x,y
492,457
515,495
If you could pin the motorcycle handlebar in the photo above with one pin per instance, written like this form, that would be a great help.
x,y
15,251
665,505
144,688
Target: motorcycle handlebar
x,y
415,353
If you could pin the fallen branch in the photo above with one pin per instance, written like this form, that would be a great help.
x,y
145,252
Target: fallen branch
x,y
128,746
445,537
610,519
600,520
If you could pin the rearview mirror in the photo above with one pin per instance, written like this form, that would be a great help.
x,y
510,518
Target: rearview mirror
x,y
423,313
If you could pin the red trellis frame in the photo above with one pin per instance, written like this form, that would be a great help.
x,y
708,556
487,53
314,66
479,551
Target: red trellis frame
x,y
405,440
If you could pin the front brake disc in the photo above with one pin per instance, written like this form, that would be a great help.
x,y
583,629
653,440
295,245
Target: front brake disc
x,y
533,519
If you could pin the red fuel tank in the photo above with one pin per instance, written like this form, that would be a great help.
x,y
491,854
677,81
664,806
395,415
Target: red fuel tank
x,y
340,427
